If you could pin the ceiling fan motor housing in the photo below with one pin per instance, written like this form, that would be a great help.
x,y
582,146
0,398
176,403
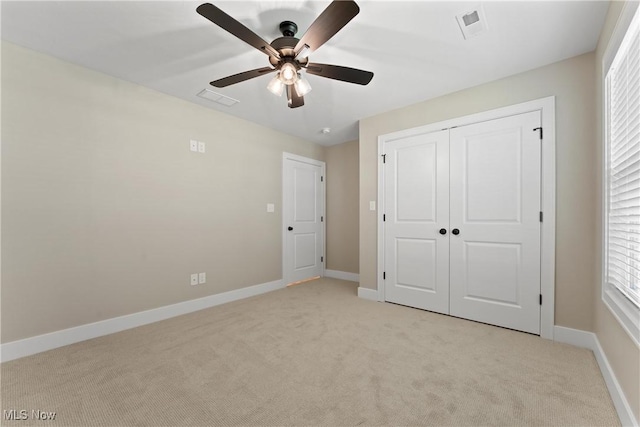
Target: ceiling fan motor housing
x,y
285,46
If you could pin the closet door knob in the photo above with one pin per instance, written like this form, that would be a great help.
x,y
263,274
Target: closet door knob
x,y
290,228
443,231
455,231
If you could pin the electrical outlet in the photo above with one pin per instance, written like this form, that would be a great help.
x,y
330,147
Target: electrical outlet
x,y
193,145
194,279
201,147
202,278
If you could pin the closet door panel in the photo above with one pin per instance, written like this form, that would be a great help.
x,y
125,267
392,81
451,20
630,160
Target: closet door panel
x,y
495,205
416,207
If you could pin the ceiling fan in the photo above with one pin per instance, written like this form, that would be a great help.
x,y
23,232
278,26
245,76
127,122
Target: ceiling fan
x,y
289,56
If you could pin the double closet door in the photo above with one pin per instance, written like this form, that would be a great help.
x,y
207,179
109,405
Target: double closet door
x,y
462,221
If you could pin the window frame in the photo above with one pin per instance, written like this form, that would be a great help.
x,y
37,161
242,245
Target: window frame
x,y
625,311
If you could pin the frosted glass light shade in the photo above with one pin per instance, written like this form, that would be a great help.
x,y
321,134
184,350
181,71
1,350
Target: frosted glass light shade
x,y
288,73
302,86
276,86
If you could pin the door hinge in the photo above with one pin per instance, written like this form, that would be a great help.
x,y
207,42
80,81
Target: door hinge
x,y
540,299
384,158
321,178
540,130
541,216
321,219
384,217
321,259
384,275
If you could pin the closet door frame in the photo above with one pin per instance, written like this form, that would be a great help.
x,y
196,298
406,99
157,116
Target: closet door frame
x,y
546,106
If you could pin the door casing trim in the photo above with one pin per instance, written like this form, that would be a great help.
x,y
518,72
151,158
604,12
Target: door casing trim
x,y
546,106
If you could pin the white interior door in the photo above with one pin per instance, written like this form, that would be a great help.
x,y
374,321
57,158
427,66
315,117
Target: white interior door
x,y
303,218
416,209
495,206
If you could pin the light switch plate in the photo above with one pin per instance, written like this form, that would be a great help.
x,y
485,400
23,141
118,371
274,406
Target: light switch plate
x,y
202,278
201,147
271,207
372,205
193,145
194,279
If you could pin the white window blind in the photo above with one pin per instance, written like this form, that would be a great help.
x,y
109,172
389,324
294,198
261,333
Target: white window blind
x,y
623,161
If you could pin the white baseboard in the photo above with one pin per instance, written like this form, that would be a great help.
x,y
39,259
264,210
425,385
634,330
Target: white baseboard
x,y
590,340
342,275
575,337
28,346
366,293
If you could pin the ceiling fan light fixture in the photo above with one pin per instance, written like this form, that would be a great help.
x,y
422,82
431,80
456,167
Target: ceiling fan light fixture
x,y
302,86
288,73
276,86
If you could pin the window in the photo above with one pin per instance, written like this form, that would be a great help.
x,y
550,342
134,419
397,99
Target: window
x,y
621,289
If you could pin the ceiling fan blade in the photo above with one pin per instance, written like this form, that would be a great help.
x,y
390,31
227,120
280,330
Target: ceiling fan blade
x,y
294,99
240,77
336,72
226,22
330,21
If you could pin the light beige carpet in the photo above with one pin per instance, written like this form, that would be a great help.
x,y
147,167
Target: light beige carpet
x,y
313,354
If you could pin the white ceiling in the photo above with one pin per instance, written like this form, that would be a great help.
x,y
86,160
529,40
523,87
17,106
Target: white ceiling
x,y
415,49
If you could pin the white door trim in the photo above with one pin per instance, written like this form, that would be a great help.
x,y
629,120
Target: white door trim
x,y
288,156
546,106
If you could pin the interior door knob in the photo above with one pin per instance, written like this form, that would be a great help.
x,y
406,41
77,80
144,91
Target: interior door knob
x,y
290,228
443,231
455,231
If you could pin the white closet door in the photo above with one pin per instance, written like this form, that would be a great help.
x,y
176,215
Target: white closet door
x,y
416,208
495,205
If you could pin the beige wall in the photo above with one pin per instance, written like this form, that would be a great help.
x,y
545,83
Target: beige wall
x,y
105,210
342,207
572,82
622,352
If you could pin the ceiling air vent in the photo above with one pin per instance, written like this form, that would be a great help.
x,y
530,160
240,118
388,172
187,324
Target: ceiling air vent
x,y
217,97
472,22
